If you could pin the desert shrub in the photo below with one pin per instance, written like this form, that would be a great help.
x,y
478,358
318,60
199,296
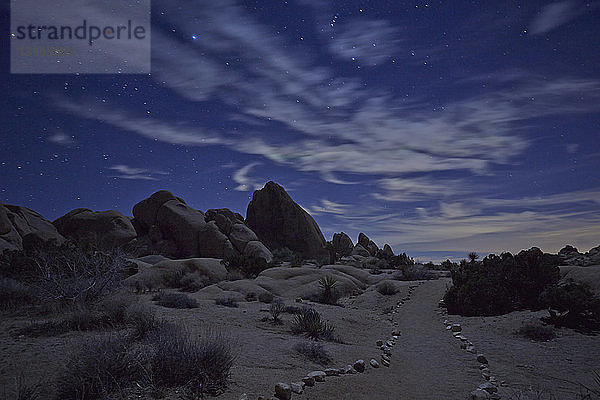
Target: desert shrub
x,y
328,294
310,323
251,296
141,318
265,297
387,288
64,272
98,368
250,267
168,357
227,302
400,261
539,333
114,308
572,305
14,294
417,272
174,300
500,284
447,265
313,351
84,318
276,308
193,282
181,359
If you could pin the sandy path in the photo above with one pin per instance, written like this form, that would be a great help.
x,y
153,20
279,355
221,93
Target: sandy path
x,y
427,362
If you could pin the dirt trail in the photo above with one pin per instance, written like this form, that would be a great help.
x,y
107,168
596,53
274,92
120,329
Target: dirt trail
x,y
427,362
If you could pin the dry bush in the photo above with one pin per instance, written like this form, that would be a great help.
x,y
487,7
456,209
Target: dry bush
x,y
227,302
174,300
314,351
539,333
310,323
276,308
387,288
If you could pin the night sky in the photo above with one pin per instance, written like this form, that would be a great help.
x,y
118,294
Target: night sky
x,y
439,127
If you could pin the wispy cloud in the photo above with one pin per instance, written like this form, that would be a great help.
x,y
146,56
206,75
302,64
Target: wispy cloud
x,y
141,174
366,42
329,207
61,138
554,15
245,182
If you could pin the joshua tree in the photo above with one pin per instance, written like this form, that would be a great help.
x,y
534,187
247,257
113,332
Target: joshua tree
x,y
328,284
473,256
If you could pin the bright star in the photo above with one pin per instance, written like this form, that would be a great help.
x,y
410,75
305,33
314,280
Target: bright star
x,y
194,37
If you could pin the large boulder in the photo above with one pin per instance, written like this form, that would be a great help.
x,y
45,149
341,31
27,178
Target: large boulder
x,y
145,211
387,251
240,235
342,244
256,249
279,222
363,240
17,222
180,223
360,251
106,229
372,248
213,243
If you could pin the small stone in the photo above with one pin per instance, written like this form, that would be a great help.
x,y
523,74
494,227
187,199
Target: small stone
x,y
488,387
389,343
395,337
456,327
385,363
283,391
308,380
297,387
446,322
448,327
374,363
385,357
379,343
298,299
481,359
319,376
471,349
461,338
349,370
483,366
332,372
359,365
463,346
396,332
479,395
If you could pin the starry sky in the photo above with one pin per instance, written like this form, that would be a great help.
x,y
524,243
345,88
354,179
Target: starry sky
x,y
440,127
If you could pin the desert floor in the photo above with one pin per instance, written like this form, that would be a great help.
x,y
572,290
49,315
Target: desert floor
x,y
426,363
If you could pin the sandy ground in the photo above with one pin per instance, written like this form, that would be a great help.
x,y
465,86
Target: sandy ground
x,y
427,362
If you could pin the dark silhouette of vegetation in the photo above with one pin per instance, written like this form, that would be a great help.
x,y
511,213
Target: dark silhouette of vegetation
x,y
572,305
500,284
329,294
539,333
401,261
249,267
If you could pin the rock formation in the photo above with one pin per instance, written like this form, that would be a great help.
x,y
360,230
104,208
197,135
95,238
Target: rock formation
x,y
279,222
569,255
19,223
342,244
105,229
166,224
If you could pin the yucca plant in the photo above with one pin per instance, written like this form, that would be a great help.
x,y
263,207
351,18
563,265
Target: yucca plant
x,y
328,289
